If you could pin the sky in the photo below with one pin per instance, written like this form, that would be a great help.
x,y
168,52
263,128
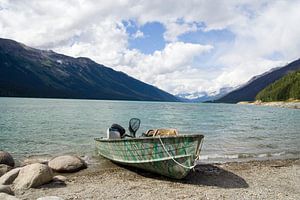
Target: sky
x,y
182,47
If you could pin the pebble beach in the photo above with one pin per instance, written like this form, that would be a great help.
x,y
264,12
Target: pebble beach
x,y
268,179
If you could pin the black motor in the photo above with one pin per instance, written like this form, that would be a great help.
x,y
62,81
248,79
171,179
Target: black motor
x,y
119,128
134,125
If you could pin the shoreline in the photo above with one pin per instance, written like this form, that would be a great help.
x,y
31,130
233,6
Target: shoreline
x,y
94,159
280,104
267,179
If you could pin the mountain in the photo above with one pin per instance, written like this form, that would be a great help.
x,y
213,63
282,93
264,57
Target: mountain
x,y
29,72
288,87
204,96
249,91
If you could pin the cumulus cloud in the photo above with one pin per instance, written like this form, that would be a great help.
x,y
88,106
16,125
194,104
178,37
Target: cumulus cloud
x,y
104,42
269,30
160,67
265,33
175,29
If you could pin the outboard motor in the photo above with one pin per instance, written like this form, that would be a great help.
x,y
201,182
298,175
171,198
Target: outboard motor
x,y
115,132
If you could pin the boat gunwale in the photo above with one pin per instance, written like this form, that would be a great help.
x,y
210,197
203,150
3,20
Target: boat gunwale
x,y
102,139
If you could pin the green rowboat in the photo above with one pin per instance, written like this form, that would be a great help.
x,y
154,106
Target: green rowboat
x,y
171,156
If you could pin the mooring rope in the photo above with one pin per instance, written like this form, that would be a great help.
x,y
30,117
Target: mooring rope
x,y
178,163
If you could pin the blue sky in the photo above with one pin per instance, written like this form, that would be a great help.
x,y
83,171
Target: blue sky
x,y
179,46
152,39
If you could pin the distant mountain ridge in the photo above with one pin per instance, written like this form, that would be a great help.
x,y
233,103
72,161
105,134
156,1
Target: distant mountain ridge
x,y
204,96
248,91
29,72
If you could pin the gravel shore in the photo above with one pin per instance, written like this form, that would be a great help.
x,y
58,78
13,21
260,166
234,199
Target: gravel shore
x,y
270,179
281,104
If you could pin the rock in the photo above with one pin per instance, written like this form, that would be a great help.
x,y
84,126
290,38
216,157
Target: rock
x,y
67,164
4,196
30,161
4,169
60,178
32,176
59,181
6,158
10,176
6,189
50,198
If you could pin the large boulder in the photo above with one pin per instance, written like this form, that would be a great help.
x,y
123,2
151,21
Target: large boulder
x,y
67,163
4,196
6,189
6,158
32,176
4,169
10,176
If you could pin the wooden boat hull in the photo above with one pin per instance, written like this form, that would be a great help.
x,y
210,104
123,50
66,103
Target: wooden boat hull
x,y
171,156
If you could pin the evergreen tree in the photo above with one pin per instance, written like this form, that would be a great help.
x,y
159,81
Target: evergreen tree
x,y
288,87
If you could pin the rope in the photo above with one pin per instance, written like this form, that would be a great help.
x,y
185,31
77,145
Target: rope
x,y
162,144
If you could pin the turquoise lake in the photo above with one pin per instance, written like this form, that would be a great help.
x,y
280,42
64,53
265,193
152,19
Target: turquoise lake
x,y
30,126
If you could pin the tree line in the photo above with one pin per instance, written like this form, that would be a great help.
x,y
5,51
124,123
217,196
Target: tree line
x,y
288,87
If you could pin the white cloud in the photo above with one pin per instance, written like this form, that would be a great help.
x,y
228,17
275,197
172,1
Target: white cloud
x,y
94,29
156,68
138,34
104,43
175,29
271,29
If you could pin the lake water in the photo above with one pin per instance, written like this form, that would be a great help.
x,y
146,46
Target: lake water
x,y
30,126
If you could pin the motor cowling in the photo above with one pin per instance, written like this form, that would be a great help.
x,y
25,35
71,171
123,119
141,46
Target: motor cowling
x,y
115,131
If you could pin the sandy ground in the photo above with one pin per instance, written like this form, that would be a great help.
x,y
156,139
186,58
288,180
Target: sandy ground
x,y
273,179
